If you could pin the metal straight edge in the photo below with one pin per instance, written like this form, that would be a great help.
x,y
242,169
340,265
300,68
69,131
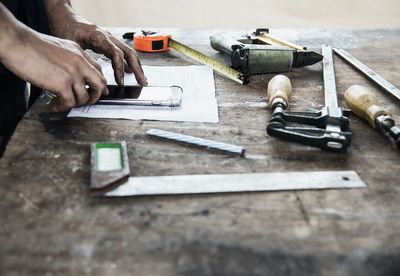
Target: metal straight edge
x,y
368,72
230,183
209,144
329,78
202,58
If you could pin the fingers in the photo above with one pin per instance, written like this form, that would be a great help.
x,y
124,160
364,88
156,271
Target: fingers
x,y
120,55
100,42
132,61
92,61
97,85
84,87
80,93
64,101
117,62
127,69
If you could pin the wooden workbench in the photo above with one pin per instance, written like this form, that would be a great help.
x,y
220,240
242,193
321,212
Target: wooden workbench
x,y
50,225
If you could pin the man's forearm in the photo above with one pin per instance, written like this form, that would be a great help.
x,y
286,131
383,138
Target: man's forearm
x,y
60,14
52,5
58,7
9,27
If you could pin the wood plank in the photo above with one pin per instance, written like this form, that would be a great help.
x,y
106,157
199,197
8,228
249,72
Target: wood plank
x,y
50,224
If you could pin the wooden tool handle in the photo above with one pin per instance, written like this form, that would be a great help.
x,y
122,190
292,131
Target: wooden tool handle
x,y
279,91
364,104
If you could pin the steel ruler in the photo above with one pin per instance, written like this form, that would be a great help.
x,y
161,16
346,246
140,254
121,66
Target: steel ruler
x,y
230,183
368,72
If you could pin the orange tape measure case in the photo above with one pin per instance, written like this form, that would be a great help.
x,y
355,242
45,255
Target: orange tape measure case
x,y
151,42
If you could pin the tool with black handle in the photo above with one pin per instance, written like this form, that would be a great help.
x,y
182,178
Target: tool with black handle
x,y
327,129
365,105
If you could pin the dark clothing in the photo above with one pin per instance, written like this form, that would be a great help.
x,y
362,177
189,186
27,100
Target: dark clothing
x,y
12,89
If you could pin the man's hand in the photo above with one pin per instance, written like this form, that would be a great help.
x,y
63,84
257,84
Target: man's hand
x,y
56,65
65,23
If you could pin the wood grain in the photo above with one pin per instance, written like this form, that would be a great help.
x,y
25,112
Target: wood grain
x,y
51,225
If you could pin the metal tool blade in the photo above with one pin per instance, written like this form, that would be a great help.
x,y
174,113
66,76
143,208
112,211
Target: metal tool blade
x,y
331,102
335,114
229,183
329,78
368,72
196,141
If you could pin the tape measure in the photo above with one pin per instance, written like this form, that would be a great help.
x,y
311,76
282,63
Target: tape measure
x,y
151,42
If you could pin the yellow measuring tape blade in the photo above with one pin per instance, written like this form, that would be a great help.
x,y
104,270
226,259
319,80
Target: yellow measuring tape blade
x,y
202,58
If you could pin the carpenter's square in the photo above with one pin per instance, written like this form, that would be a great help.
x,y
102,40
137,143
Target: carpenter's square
x,y
231,183
150,41
327,129
109,166
254,54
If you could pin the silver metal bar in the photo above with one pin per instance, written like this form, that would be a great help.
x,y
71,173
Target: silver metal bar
x,y
329,78
210,144
331,101
368,72
229,183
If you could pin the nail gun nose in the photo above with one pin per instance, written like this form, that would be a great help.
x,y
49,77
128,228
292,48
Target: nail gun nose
x,y
306,58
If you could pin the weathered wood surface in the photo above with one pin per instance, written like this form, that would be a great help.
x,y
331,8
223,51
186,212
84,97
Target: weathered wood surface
x,y
50,225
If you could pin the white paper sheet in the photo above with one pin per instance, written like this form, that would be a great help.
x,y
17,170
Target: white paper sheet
x,y
198,102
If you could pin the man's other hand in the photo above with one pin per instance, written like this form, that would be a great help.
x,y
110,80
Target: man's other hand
x,y
65,23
